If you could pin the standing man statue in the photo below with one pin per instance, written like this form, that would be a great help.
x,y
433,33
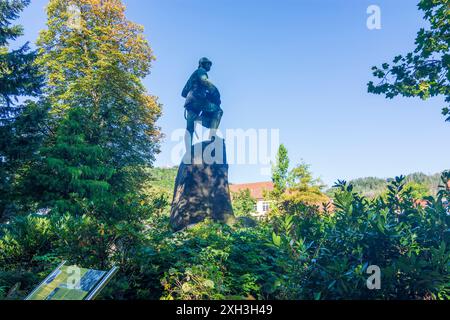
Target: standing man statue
x,y
201,188
202,102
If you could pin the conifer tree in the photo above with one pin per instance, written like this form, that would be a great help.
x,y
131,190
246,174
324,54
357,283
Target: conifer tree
x,y
280,172
20,132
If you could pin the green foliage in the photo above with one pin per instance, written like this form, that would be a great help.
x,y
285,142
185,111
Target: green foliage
x,y
238,263
25,253
409,243
163,177
295,187
298,255
102,122
18,75
425,72
10,10
280,171
371,187
418,191
101,117
35,244
243,203
303,188
305,255
100,133
20,124
160,183
74,174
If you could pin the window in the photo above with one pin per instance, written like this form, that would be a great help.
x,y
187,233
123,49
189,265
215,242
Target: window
x,y
266,206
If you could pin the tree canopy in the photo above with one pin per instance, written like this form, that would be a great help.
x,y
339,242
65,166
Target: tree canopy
x,y
425,72
102,120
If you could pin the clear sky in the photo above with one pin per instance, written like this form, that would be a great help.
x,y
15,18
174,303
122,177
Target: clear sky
x,y
300,66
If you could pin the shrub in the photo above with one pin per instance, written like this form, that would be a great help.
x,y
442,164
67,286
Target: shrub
x,y
298,254
408,242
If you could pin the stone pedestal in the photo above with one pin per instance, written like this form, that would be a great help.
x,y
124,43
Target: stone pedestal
x,y
201,187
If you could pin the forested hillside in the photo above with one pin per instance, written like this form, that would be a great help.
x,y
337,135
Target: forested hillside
x,y
371,187
161,181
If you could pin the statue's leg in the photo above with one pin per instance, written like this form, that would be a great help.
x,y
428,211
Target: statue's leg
x,y
215,123
190,128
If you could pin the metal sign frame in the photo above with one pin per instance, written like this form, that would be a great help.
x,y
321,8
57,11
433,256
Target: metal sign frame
x,y
91,294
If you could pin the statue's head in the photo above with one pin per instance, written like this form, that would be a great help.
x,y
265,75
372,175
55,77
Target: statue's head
x,y
205,63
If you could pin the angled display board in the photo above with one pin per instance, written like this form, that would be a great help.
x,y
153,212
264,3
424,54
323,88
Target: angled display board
x,y
72,283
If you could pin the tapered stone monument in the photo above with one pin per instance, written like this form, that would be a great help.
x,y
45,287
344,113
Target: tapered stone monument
x,y
201,187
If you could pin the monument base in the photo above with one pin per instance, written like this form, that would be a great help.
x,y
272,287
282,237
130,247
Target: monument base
x,y
201,187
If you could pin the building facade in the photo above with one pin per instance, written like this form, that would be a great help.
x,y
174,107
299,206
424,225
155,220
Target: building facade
x,y
257,191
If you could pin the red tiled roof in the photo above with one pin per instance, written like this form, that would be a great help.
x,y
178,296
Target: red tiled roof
x,y
256,189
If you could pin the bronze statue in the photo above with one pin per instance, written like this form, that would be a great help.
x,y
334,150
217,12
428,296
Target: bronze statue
x,y
201,187
202,102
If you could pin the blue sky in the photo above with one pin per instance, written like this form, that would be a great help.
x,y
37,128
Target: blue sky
x,y
300,66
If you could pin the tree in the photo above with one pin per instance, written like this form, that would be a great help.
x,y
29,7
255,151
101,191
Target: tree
x,y
243,203
18,74
20,132
103,122
296,186
76,175
372,187
280,171
418,190
102,133
425,72
303,188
